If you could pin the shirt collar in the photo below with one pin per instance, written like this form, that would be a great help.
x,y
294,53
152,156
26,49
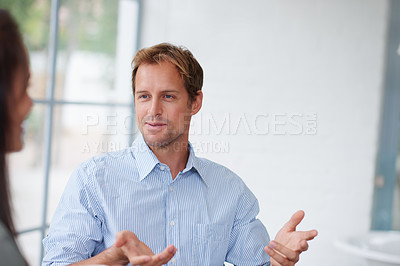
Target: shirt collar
x,y
195,163
147,160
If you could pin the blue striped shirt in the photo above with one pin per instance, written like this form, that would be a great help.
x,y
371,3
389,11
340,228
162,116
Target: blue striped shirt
x,y
207,211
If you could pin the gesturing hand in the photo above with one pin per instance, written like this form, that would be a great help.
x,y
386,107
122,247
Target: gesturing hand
x,y
129,249
289,243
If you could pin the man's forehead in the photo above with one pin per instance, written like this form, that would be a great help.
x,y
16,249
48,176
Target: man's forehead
x,y
157,74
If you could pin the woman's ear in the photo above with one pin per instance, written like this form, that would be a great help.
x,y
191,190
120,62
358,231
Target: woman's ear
x,y
197,102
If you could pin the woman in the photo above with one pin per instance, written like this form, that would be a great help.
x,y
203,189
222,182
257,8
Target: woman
x,y
15,105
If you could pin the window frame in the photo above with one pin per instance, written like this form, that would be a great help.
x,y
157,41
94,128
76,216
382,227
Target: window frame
x,y
385,178
50,103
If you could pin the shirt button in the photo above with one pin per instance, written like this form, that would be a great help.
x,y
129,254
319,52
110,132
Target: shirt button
x,y
172,223
173,260
171,189
162,167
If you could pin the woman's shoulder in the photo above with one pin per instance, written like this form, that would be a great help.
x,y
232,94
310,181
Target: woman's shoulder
x,y
9,252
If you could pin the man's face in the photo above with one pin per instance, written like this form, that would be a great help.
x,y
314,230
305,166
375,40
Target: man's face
x,y
163,110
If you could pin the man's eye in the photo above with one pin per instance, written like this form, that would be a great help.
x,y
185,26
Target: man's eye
x,y
168,96
143,97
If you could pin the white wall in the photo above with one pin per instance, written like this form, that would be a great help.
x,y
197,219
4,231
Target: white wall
x,y
267,58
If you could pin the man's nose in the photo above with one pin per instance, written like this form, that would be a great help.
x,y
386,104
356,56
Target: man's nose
x,y
155,108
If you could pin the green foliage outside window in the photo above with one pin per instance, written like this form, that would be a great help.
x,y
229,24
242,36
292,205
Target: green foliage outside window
x,y
88,25
33,17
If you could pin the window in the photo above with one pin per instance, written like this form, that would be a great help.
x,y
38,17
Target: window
x,y
386,209
80,56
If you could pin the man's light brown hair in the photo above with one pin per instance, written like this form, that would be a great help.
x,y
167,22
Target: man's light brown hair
x,y
184,61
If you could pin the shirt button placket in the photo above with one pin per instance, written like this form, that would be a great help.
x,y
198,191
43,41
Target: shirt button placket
x,y
172,222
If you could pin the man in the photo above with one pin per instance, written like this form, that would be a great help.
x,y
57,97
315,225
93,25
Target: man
x,y
157,196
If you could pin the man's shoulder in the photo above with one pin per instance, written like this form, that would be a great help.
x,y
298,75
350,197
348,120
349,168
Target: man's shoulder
x,y
106,160
105,170
216,172
212,165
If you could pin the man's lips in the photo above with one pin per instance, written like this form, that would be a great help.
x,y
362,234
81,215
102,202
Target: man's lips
x,y
155,124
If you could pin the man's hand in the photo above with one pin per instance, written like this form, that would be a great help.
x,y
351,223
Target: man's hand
x,y
129,249
138,253
289,243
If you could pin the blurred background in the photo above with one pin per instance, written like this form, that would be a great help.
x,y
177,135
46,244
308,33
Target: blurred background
x,y
301,99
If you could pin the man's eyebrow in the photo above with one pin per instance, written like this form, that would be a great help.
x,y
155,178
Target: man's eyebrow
x,y
164,91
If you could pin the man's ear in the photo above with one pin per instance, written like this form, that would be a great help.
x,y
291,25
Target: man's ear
x,y
197,102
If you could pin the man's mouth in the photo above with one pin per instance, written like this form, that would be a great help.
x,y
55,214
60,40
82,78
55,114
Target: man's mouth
x,y
155,124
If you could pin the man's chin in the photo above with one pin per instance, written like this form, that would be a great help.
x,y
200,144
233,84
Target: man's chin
x,y
156,142
162,140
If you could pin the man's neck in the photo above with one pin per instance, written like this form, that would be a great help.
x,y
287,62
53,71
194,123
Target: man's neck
x,y
175,156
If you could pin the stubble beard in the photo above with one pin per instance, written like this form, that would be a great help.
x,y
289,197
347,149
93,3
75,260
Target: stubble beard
x,y
169,140
172,138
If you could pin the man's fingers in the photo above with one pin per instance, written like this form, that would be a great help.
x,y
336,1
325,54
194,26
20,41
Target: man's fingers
x,y
310,235
303,245
119,240
281,260
131,246
164,256
167,253
159,259
302,238
123,237
296,218
138,253
306,235
287,252
137,260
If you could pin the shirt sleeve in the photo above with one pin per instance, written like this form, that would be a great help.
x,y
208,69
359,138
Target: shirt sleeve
x,y
75,232
248,236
